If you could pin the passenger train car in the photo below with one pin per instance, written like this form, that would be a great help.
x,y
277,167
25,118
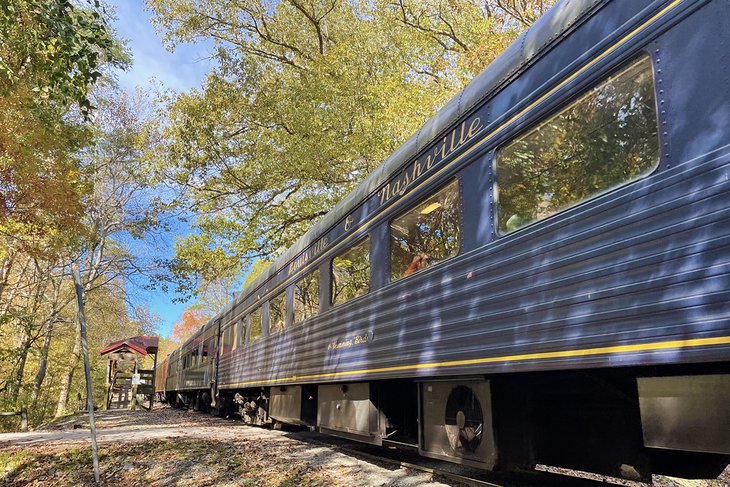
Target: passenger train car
x,y
540,275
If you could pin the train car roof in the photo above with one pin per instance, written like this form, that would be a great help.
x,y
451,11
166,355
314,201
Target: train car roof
x,y
534,42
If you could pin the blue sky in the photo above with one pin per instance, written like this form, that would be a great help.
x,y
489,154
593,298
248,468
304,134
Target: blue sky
x,y
180,71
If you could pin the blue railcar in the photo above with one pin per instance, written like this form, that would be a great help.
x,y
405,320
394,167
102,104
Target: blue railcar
x,y
540,275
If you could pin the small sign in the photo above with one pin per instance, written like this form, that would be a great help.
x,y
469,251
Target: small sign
x,y
136,380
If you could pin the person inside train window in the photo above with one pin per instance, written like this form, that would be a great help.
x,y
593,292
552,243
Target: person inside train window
x,y
427,233
419,262
517,221
277,313
351,272
604,139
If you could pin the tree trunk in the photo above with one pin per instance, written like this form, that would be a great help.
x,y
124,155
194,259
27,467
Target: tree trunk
x,y
5,265
16,380
68,377
42,367
49,324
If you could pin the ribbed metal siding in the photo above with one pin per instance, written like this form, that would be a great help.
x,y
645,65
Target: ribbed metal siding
x,y
161,376
648,263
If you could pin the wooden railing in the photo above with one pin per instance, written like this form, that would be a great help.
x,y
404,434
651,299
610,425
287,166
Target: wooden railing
x,y
23,413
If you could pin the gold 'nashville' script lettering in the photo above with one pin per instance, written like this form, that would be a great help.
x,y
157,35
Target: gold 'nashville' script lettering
x,y
451,142
308,254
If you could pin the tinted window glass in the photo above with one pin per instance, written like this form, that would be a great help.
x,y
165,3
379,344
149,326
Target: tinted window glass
x,y
426,234
351,272
206,348
604,139
277,313
227,339
256,318
306,297
240,333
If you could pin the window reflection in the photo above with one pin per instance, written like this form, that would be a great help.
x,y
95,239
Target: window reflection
x,y
277,313
351,273
240,333
256,318
227,339
306,297
604,139
426,234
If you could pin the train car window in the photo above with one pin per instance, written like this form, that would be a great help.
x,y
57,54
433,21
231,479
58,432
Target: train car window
x,y
277,313
606,138
306,297
227,339
351,272
240,333
255,329
211,348
426,234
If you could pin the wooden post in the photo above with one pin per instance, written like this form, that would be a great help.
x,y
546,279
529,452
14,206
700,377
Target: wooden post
x,y
23,419
108,382
87,369
23,413
133,404
154,375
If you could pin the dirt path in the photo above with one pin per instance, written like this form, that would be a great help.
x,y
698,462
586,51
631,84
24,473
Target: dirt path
x,y
117,426
172,447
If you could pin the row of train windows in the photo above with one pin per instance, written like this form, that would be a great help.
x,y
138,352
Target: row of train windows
x,y
200,355
605,138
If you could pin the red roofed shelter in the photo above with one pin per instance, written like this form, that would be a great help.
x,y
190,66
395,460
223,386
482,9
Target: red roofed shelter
x,y
124,377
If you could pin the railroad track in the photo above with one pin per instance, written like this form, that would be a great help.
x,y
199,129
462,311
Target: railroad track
x,y
407,457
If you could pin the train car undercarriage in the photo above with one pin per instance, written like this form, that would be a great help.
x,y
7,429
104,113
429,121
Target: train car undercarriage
x,y
626,423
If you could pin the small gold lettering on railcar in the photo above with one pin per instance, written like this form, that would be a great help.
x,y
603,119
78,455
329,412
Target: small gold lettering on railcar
x,y
350,342
308,254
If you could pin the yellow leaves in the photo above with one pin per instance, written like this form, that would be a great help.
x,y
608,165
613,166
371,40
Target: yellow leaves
x,y
306,99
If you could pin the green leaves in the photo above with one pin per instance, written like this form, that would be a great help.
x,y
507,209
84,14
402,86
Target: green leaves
x,y
57,48
52,52
305,100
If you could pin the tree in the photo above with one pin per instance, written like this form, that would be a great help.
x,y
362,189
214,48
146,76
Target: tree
x,y
190,322
305,99
52,53
118,209
214,296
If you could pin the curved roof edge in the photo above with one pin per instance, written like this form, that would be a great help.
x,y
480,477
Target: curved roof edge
x,y
531,44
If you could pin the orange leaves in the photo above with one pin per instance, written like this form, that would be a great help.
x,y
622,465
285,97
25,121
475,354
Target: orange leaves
x,y
190,321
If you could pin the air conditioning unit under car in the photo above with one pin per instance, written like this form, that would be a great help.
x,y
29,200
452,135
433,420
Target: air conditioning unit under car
x,y
457,422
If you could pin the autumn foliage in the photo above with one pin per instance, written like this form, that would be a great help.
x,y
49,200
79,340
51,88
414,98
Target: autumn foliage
x,y
190,321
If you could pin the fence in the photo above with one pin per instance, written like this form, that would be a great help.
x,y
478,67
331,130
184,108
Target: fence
x,y
23,413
